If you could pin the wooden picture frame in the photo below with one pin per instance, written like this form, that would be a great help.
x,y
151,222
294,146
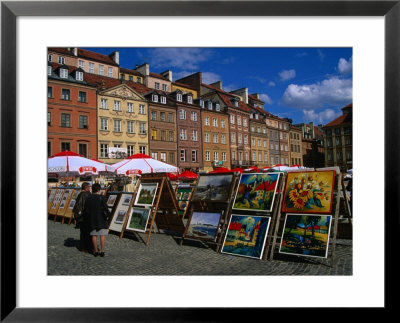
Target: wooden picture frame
x,y
209,187
143,214
139,196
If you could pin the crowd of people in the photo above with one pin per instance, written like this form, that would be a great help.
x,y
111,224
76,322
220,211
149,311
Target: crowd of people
x,y
91,215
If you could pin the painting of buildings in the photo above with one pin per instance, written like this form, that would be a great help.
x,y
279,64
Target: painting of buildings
x,y
214,187
146,194
246,236
306,235
256,192
203,225
309,192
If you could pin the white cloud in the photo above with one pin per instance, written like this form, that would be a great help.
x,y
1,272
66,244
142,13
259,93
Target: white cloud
x,y
345,67
264,97
271,83
286,75
332,91
185,58
322,117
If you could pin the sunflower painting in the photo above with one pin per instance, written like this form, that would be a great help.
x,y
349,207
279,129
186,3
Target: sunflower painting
x,y
309,192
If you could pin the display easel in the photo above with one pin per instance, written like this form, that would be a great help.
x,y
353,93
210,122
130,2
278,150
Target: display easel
x,y
68,193
55,203
164,213
69,213
334,224
212,206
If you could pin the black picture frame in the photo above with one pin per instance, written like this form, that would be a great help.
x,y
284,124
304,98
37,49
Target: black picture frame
x,y
10,10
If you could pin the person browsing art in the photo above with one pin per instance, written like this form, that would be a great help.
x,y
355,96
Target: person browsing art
x,y
85,240
96,215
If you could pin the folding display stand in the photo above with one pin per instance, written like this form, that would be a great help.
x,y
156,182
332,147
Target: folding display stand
x,y
212,206
164,212
68,193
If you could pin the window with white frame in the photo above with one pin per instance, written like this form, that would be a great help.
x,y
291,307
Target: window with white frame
x,y
117,125
170,136
215,122
156,85
65,94
162,116
222,123
232,118
253,156
216,156
246,156
79,76
101,69
49,69
81,64
129,107
253,142
215,138
258,142
271,146
223,139
91,68
142,128
142,150
239,120
209,105
65,120
183,135
103,150
142,109
103,104
63,73
103,124
246,141
244,122
183,155
117,105
83,121
164,87
170,117
224,156
206,137
163,157
154,98
109,72
239,138
233,138
131,149
82,96
286,148
163,99
179,97
233,154
153,115
207,156
277,148
61,60
265,144
193,116
265,157
281,147
154,155
189,99
182,114
130,126
194,156
217,107
259,156
194,135
206,121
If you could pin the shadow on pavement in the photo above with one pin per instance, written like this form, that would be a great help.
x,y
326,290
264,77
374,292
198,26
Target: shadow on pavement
x,y
71,242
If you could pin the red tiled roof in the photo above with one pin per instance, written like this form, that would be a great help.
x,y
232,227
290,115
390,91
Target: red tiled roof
x,y
184,85
344,118
159,76
60,50
294,128
130,71
254,98
317,131
87,54
226,98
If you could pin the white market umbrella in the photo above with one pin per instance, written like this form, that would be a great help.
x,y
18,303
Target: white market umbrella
x,y
142,164
67,163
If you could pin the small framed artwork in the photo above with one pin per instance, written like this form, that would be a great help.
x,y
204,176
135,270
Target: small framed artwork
x,y
120,216
138,219
127,200
204,225
309,192
146,194
111,200
306,235
213,188
256,192
246,235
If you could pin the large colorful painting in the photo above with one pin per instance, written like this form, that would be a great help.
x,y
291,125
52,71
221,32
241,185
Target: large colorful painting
x,y
306,235
309,192
203,225
138,219
146,194
213,188
256,192
246,235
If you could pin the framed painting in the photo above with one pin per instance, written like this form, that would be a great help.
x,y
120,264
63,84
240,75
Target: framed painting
x,y
306,235
16,304
309,192
183,195
120,213
213,187
203,225
111,200
256,192
246,235
138,219
146,194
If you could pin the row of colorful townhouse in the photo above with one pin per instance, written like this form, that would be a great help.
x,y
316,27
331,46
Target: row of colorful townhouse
x,y
106,112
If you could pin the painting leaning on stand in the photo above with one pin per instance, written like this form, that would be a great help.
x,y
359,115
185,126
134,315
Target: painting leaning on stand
x,y
85,240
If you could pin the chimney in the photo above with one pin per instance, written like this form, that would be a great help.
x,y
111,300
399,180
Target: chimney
x,y
144,69
257,95
115,56
243,93
218,85
167,74
75,51
312,129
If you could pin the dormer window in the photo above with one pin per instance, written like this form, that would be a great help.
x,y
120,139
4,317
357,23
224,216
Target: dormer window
x,y
201,103
256,116
209,105
79,76
154,98
236,104
217,107
63,73
190,99
163,99
49,69
179,97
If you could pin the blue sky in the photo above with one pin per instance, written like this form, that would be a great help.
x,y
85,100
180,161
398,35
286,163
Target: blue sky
x,y
304,84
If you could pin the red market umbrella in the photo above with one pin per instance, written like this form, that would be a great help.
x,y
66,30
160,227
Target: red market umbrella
x,y
238,169
172,177
220,170
187,175
252,169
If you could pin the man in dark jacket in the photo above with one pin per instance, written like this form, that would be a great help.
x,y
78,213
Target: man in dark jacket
x,y
85,240
95,217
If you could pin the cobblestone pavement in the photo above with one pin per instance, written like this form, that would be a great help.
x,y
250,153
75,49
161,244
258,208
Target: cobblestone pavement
x,y
165,256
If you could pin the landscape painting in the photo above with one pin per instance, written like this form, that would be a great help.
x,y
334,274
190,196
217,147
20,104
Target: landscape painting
x,y
256,192
146,194
213,188
246,236
309,192
306,235
204,225
138,219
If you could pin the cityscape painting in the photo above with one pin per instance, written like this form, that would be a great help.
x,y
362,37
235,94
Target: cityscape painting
x,y
256,192
306,235
213,188
204,225
309,192
246,235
